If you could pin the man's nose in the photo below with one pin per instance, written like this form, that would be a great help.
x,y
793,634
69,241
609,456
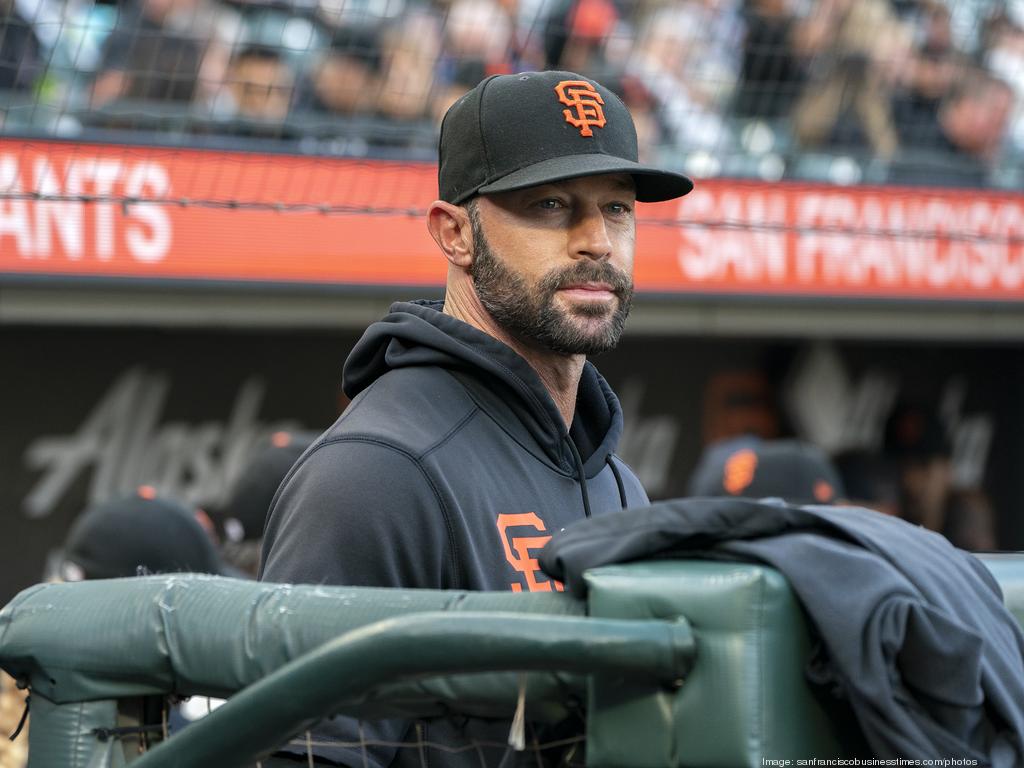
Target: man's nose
x,y
590,236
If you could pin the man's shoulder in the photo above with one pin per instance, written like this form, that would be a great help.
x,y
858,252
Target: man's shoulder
x,y
410,409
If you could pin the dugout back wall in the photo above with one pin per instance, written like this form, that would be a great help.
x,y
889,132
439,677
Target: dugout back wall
x,y
94,412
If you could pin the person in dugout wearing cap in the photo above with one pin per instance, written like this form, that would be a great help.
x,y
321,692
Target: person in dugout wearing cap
x,y
141,534
792,470
477,426
240,519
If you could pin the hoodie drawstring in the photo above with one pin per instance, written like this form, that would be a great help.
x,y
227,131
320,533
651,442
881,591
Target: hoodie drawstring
x,y
618,482
583,477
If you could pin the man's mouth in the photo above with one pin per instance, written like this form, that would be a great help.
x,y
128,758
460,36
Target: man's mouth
x,y
588,291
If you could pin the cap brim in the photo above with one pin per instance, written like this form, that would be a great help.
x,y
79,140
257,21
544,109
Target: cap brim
x,y
652,185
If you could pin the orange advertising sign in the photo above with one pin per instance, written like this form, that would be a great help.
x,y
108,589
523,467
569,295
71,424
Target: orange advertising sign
x,y
144,212
871,242
225,216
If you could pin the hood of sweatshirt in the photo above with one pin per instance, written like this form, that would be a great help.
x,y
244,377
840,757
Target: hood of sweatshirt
x,y
418,333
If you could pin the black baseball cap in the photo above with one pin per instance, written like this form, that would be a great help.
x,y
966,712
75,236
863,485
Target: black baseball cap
x,y
142,531
792,470
916,434
248,501
517,131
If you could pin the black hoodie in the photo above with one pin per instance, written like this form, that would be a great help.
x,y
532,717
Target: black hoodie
x,y
450,468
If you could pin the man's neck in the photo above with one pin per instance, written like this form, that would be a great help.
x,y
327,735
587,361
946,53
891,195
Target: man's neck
x,y
560,374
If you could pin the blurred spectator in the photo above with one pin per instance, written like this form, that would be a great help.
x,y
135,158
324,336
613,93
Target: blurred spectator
x,y
974,119
970,521
792,470
478,43
13,752
917,441
244,514
870,480
857,45
739,403
410,50
968,130
260,83
643,106
480,30
687,54
929,77
772,73
460,78
1004,56
529,19
345,81
20,53
576,34
166,50
338,14
138,533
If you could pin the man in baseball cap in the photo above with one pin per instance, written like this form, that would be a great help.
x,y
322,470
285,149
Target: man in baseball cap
x,y
477,426
243,514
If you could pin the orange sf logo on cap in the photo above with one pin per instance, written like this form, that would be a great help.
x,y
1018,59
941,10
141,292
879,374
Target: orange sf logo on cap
x,y
823,491
739,471
587,103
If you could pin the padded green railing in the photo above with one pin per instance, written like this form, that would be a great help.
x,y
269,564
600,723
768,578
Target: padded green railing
x,y
95,653
206,635
345,670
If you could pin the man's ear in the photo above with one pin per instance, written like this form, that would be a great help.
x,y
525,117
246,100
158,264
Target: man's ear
x,y
450,227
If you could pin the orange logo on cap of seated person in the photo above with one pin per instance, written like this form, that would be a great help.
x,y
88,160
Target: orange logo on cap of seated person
x,y
823,491
739,471
587,111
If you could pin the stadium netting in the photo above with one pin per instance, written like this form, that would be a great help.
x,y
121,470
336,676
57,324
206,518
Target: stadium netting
x,y
873,92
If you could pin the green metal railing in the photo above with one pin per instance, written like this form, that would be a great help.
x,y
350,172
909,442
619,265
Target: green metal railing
x,y
295,697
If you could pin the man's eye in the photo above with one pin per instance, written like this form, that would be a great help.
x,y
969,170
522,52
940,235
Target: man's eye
x,y
550,204
619,208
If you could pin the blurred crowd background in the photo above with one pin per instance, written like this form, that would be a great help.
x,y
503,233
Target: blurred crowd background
x,y
847,91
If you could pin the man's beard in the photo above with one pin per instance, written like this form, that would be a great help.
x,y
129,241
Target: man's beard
x,y
530,314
